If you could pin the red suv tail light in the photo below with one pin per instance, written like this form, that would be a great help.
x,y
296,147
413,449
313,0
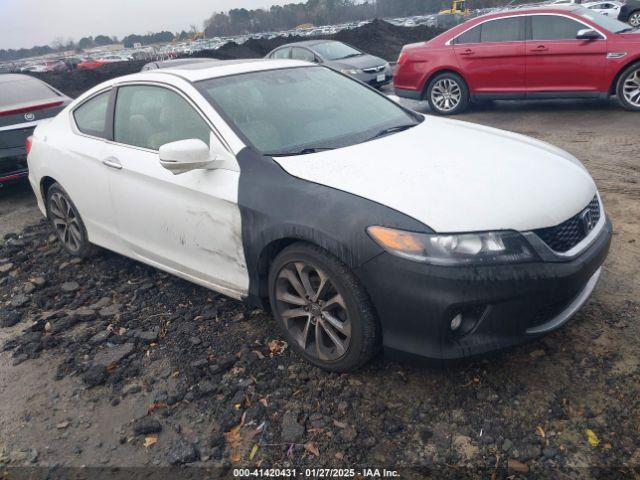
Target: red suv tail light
x,y
402,59
29,143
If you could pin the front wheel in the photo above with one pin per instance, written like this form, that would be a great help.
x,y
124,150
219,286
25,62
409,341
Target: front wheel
x,y
628,88
321,308
634,19
448,94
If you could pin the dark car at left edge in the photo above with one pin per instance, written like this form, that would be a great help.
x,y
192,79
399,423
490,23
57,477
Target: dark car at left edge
x,y
25,102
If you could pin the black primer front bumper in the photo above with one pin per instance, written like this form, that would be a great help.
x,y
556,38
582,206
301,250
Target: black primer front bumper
x,y
513,304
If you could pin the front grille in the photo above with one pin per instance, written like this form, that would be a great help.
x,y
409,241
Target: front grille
x,y
567,235
374,69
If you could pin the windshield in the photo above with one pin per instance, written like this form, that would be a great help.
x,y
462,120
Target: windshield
x,y
335,51
302,110
608,23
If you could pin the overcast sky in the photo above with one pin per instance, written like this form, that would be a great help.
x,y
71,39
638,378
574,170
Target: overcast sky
x,y
25,23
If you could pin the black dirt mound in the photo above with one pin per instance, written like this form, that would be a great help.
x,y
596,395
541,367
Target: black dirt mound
x,y
377,38
77,82
384,39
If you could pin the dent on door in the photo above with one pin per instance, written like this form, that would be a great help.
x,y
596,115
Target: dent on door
x,y
188,224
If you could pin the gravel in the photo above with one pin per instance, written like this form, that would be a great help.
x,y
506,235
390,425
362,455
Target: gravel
x,y
146,425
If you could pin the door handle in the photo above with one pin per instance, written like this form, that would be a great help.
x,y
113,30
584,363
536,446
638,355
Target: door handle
x,y
112,162
467,52
540,48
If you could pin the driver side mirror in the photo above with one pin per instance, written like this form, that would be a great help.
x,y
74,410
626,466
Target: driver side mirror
x,y
193,154
588,34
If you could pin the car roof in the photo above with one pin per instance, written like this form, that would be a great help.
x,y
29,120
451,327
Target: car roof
x,y
307,43
14,77
205,70
533,9
183,62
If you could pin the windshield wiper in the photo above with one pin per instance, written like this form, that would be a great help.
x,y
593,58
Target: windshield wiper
x,y
304,151
390,130
627,30
351,55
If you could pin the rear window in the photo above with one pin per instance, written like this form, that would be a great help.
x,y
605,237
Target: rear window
x,y
494,31
23,90
470,36
503,30
91,116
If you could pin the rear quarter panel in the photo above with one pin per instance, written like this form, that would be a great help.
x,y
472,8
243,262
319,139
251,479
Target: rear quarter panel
x,y
422,63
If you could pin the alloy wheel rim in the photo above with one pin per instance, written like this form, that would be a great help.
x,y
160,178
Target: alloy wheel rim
x,y
634,20
65,221
446,94
631,88
313,311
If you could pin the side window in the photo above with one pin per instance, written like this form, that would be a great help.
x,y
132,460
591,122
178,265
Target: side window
x,y
504,30
91,116
282,53
470,36
298,53
552,27
148,117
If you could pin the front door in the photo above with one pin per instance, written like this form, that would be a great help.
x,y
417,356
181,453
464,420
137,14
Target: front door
x,y
492,56
558,62
188,224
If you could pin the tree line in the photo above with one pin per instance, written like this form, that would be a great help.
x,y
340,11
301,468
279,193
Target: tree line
x,y
321,12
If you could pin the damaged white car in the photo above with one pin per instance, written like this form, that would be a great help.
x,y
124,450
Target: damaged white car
x,y
360,223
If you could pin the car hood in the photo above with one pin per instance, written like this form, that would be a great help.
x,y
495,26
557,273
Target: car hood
x,y
457,177
361,61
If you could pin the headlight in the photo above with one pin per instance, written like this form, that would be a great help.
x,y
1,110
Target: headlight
x,y
351,71
454,249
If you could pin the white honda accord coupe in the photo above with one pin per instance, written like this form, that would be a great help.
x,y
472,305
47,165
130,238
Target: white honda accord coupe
x,y
360,223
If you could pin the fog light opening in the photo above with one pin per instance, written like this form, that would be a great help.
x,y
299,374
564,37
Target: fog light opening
x,y
465,320
456,322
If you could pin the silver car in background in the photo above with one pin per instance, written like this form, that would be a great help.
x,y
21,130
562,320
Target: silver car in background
x,y
349,60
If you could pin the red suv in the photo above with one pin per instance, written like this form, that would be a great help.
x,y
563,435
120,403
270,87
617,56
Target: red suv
x,y
552,52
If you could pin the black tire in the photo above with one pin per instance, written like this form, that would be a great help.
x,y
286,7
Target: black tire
x,y
74,236
631,72
458,85
364,331
634,19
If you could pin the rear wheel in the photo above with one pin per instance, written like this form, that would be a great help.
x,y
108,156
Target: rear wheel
x,y
628,88
322,309
66,222
448,94
634,19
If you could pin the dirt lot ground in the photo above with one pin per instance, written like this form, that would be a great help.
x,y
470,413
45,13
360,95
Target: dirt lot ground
x,y
112,363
